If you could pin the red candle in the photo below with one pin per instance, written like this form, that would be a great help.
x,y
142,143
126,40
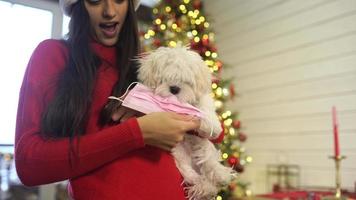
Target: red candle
x,y
336,133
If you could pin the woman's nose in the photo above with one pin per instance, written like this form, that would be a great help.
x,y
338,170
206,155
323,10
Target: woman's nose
x,y
109,9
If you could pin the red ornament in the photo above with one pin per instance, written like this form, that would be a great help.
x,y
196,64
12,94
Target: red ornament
x,y
197,4
232,160
239,168
232,186
232,91
219,64
205,41
215,79
157,42
213,49
236,124
242,137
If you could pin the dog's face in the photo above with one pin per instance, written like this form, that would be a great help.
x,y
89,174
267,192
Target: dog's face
x,y
176,71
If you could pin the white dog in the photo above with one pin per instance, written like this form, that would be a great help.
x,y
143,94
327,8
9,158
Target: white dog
x,y
183,73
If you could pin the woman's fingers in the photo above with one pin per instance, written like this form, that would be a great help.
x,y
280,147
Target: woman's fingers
x,y
123,114
166,130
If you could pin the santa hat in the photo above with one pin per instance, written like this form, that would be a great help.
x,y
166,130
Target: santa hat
x,y
66,5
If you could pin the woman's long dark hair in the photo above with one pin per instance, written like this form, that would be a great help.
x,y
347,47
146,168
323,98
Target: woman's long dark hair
x,y
67,113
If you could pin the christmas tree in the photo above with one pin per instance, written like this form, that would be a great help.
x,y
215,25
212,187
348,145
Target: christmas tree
x,y
183,22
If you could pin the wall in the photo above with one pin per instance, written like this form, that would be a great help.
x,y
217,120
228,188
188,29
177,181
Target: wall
x,y
291,60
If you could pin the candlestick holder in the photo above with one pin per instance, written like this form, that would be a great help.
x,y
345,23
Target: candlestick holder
x,y
337,195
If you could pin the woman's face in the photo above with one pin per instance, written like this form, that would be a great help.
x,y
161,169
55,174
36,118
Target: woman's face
x,y
106,19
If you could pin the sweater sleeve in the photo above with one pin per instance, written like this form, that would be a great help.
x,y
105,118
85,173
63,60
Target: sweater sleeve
x,y
43,161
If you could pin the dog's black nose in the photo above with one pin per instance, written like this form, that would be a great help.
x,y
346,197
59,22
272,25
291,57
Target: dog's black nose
x,y
174,89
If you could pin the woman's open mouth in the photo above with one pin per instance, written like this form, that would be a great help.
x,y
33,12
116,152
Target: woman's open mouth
x,y
109,29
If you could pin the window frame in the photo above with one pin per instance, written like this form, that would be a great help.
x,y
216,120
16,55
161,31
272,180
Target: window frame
x,y
51,6
56,29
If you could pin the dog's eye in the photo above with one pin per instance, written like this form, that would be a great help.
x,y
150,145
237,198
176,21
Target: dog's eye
x,y
174,89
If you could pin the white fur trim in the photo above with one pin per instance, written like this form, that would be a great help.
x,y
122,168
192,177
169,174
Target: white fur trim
x,y
67,4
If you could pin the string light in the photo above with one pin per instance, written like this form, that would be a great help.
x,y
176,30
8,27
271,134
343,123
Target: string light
x,y
196,39
207,53
214,55
228,122
224,116
218,104
172,44
151,32
158,21
212,95
194,32
225,155
219,91
219,198
196,12
189,34
232,131
168,9
163,26
186,1
206,24
249,159
248,193
155,10
147,36
209,62
214,85
182,7
174,26
225,92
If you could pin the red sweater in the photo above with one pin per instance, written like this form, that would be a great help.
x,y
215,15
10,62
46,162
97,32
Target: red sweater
x,y
113,162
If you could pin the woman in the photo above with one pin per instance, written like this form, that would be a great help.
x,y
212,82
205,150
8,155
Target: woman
x,y
68,129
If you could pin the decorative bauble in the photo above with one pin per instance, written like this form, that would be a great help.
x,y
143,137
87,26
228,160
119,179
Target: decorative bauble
x,y
239,168
205,41
242,137
157,42
232,91
232,160
236,124
197,4
232,186
215,79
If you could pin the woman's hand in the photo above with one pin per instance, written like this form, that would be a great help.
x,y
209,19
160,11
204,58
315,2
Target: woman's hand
x,y
124,113
166,129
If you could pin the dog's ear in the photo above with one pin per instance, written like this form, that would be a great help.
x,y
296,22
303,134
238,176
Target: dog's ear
x,y
148,71
203,79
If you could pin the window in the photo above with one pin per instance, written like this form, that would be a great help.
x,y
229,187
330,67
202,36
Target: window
x,y
23,26
65,25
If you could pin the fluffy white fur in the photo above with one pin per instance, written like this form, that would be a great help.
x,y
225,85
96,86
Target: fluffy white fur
x,y
196,157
